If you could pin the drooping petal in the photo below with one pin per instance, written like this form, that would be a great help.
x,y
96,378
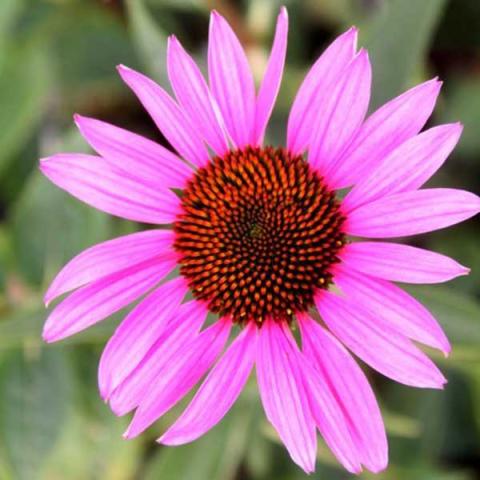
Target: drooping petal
x,y
135,155
168,116
94,181
137,333
184,370
194,96
376,343
98,300
387,128
350,388
319,82
402,312
400,263
109,257
218,392
282,391
270,85
340,114
231,80
408,167
410,213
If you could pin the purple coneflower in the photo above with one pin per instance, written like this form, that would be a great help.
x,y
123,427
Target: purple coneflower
x,y
261,240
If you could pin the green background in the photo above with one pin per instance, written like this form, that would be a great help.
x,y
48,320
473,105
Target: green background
x,y
58,57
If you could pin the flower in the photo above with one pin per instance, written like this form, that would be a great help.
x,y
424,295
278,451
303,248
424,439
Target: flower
x,y
262,240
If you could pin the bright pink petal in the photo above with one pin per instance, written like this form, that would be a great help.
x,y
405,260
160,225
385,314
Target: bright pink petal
x,y
408,167
168,116
410,213
350,388
387,128
280,381
373,340
194,96
340,114
109,257
96,301
273,76
318,83
135,155
138,333
402,312
94,181
218,392
184,370
231,80
401,263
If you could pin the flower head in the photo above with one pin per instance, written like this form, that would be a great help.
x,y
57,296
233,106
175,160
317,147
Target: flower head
x,y
261,238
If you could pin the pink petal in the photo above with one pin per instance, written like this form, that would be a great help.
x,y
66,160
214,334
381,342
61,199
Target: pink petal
x,y
135,155
168,116
377,344
94,181
181,374
401,263
340,114
138,333
280,381
408,167
109,257
182,328
387,128
231,80
273,76
194,96
98,300
349,386
318,83
410,213
218,392
402,312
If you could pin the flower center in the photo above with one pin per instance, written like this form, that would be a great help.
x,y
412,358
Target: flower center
x,y
258,234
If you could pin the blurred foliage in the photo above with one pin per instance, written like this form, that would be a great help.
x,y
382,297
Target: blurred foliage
x,y
58,57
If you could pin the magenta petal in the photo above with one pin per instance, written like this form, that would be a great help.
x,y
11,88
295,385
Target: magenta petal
x,y
135,155
280,381
168,116
373,340
410,213
349,386
184,370
218,392
231,80
94,181
401,263
317,84
273,76
98,300
138,333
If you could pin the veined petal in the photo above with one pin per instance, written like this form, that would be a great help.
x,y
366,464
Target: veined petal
x,y
184,370
135,155
408,167
94,181
137,333
231,80
218,392
194,96
168,116
410,213
273,76
319,81
401,263
280,381
376,343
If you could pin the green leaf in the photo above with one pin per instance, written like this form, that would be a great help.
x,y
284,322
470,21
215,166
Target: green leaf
x,y
9,11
